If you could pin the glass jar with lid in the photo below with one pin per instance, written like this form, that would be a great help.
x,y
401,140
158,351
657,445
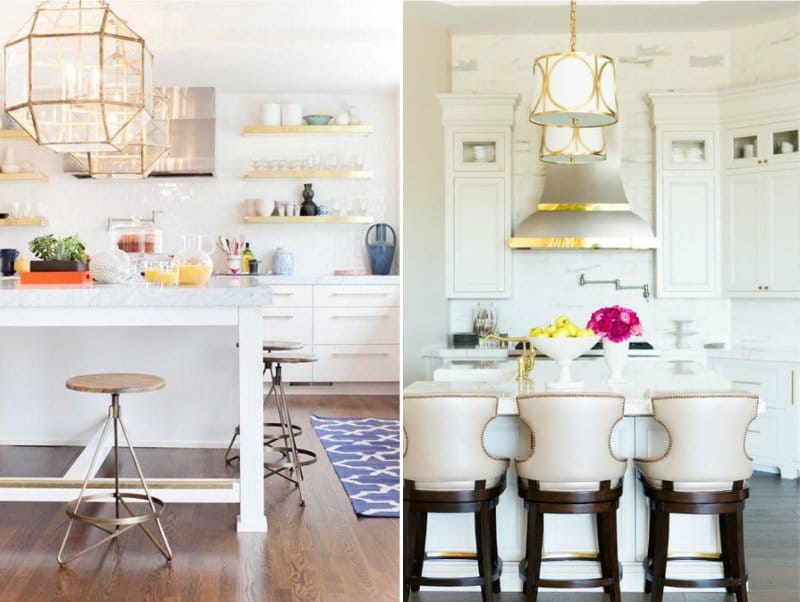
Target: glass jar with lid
x,y
137,237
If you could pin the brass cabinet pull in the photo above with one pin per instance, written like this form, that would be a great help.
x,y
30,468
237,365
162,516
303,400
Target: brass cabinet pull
x,y
359,294
766,288
380,317
282,294
792,386
278,317
752,431
747,382
345,353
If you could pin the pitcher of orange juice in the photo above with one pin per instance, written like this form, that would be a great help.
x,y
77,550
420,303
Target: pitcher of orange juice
x,y
194,262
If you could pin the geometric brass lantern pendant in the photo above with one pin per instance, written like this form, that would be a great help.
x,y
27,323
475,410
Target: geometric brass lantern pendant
x,y
572,145
575,89
139,156
78,79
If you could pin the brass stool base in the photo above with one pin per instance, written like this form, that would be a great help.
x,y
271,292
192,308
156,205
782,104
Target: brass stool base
x,y
269,439
132,520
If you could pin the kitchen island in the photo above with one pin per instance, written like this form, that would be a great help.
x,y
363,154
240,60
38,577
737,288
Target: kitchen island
x,y
637,435
235,304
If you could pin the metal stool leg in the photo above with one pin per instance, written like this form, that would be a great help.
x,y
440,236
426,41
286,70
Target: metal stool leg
x,y
120,524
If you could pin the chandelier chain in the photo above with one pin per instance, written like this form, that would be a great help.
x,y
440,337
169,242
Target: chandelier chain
x,y
573,27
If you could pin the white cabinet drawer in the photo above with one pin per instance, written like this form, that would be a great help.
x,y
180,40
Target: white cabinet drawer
x,y
294,373
289,295
357,363
765,437
357,296
287,324
763,380
356,325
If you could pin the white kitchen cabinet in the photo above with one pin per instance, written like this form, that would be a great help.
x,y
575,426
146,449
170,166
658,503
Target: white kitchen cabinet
x,y
769,144
761,219
773,438
354,330
687,194
478,167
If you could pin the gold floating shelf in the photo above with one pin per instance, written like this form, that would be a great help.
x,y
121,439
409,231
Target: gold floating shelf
x,y
264,130
33,176
14,134
309,219
304,174
23,221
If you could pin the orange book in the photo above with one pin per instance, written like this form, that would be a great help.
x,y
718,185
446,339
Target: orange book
x,y
74,278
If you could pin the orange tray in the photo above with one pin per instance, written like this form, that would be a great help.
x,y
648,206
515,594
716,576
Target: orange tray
x,y
79,278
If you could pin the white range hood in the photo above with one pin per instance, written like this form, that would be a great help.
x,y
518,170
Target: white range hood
x,y
584,206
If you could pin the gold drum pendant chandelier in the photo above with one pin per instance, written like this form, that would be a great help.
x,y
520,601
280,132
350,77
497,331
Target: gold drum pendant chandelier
x,y
572,145
78,79
574,89
145,146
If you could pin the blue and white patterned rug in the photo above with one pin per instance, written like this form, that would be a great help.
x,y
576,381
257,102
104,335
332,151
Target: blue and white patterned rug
x,y
365,452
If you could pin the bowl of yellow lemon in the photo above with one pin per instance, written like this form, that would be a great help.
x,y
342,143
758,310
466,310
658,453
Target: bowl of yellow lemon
x,y
563,341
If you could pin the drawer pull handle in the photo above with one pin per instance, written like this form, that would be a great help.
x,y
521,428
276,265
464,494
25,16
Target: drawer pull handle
x,y
747,382
357,294
381,317
278,317
282,294
793,387
752,431
345,353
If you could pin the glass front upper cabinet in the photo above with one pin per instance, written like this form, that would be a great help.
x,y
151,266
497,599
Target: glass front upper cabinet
x,y
688,150
762,145
479,151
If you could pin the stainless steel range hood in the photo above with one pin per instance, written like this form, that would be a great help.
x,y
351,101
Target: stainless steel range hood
x,y
192,136
584,207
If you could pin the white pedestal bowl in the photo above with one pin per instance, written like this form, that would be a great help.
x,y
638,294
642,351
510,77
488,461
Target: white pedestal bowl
x,y
564,350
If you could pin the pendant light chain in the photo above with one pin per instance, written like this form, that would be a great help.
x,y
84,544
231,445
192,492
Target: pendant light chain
x,y
573,27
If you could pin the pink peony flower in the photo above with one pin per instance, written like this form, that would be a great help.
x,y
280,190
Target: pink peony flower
x,y
615,322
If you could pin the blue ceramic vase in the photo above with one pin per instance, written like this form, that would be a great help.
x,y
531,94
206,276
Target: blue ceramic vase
x,y
381,250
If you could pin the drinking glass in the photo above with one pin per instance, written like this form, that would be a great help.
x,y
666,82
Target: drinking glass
x,y
360,206
331,161
152,274
170,274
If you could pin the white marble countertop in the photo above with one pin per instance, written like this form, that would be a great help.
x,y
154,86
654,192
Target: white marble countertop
x,y
219,292
644,377
768,354
330,279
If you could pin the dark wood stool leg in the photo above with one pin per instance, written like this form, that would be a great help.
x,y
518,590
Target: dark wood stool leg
x,y
660,547
609,560
409,535
726,549
736,540
495,555
535,539
419,547
651,538
485,561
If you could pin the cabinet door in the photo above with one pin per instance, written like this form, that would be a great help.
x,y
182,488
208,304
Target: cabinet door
x,y
744,147
743,232
782,233
478,256
782,142
479,150
687,257
688,150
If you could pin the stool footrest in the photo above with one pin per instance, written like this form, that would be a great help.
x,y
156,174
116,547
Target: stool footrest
x,y
115,522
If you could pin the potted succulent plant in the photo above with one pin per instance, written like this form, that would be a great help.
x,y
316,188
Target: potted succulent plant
x,y
58,255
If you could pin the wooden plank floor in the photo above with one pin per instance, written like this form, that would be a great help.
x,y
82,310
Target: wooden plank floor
x,y
320,552
772,539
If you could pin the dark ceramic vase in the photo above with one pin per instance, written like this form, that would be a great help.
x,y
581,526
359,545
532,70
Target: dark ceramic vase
x,y
309,207
381,250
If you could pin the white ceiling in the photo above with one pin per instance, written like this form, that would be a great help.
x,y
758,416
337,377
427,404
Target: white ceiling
x,y
282,46
548,16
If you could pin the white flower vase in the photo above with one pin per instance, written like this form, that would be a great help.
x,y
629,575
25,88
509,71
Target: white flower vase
x,y
615,354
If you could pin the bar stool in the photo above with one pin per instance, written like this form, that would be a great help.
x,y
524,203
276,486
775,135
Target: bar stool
x,y
571,469
269,438
291,455
115,384
702,471
447,469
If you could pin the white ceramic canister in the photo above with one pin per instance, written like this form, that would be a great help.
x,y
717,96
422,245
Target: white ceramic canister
x,y
282,262
271,113
292,114
342,118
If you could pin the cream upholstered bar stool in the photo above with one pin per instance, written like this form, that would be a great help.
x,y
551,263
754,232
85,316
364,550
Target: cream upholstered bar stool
x,y
571,469
447,469
115,384
704,470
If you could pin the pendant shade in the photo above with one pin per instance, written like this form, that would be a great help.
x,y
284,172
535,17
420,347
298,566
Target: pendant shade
x,y
145,146
572,145
77,79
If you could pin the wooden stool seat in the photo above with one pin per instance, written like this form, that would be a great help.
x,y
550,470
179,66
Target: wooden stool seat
x,y
282,346
115,383
289,358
